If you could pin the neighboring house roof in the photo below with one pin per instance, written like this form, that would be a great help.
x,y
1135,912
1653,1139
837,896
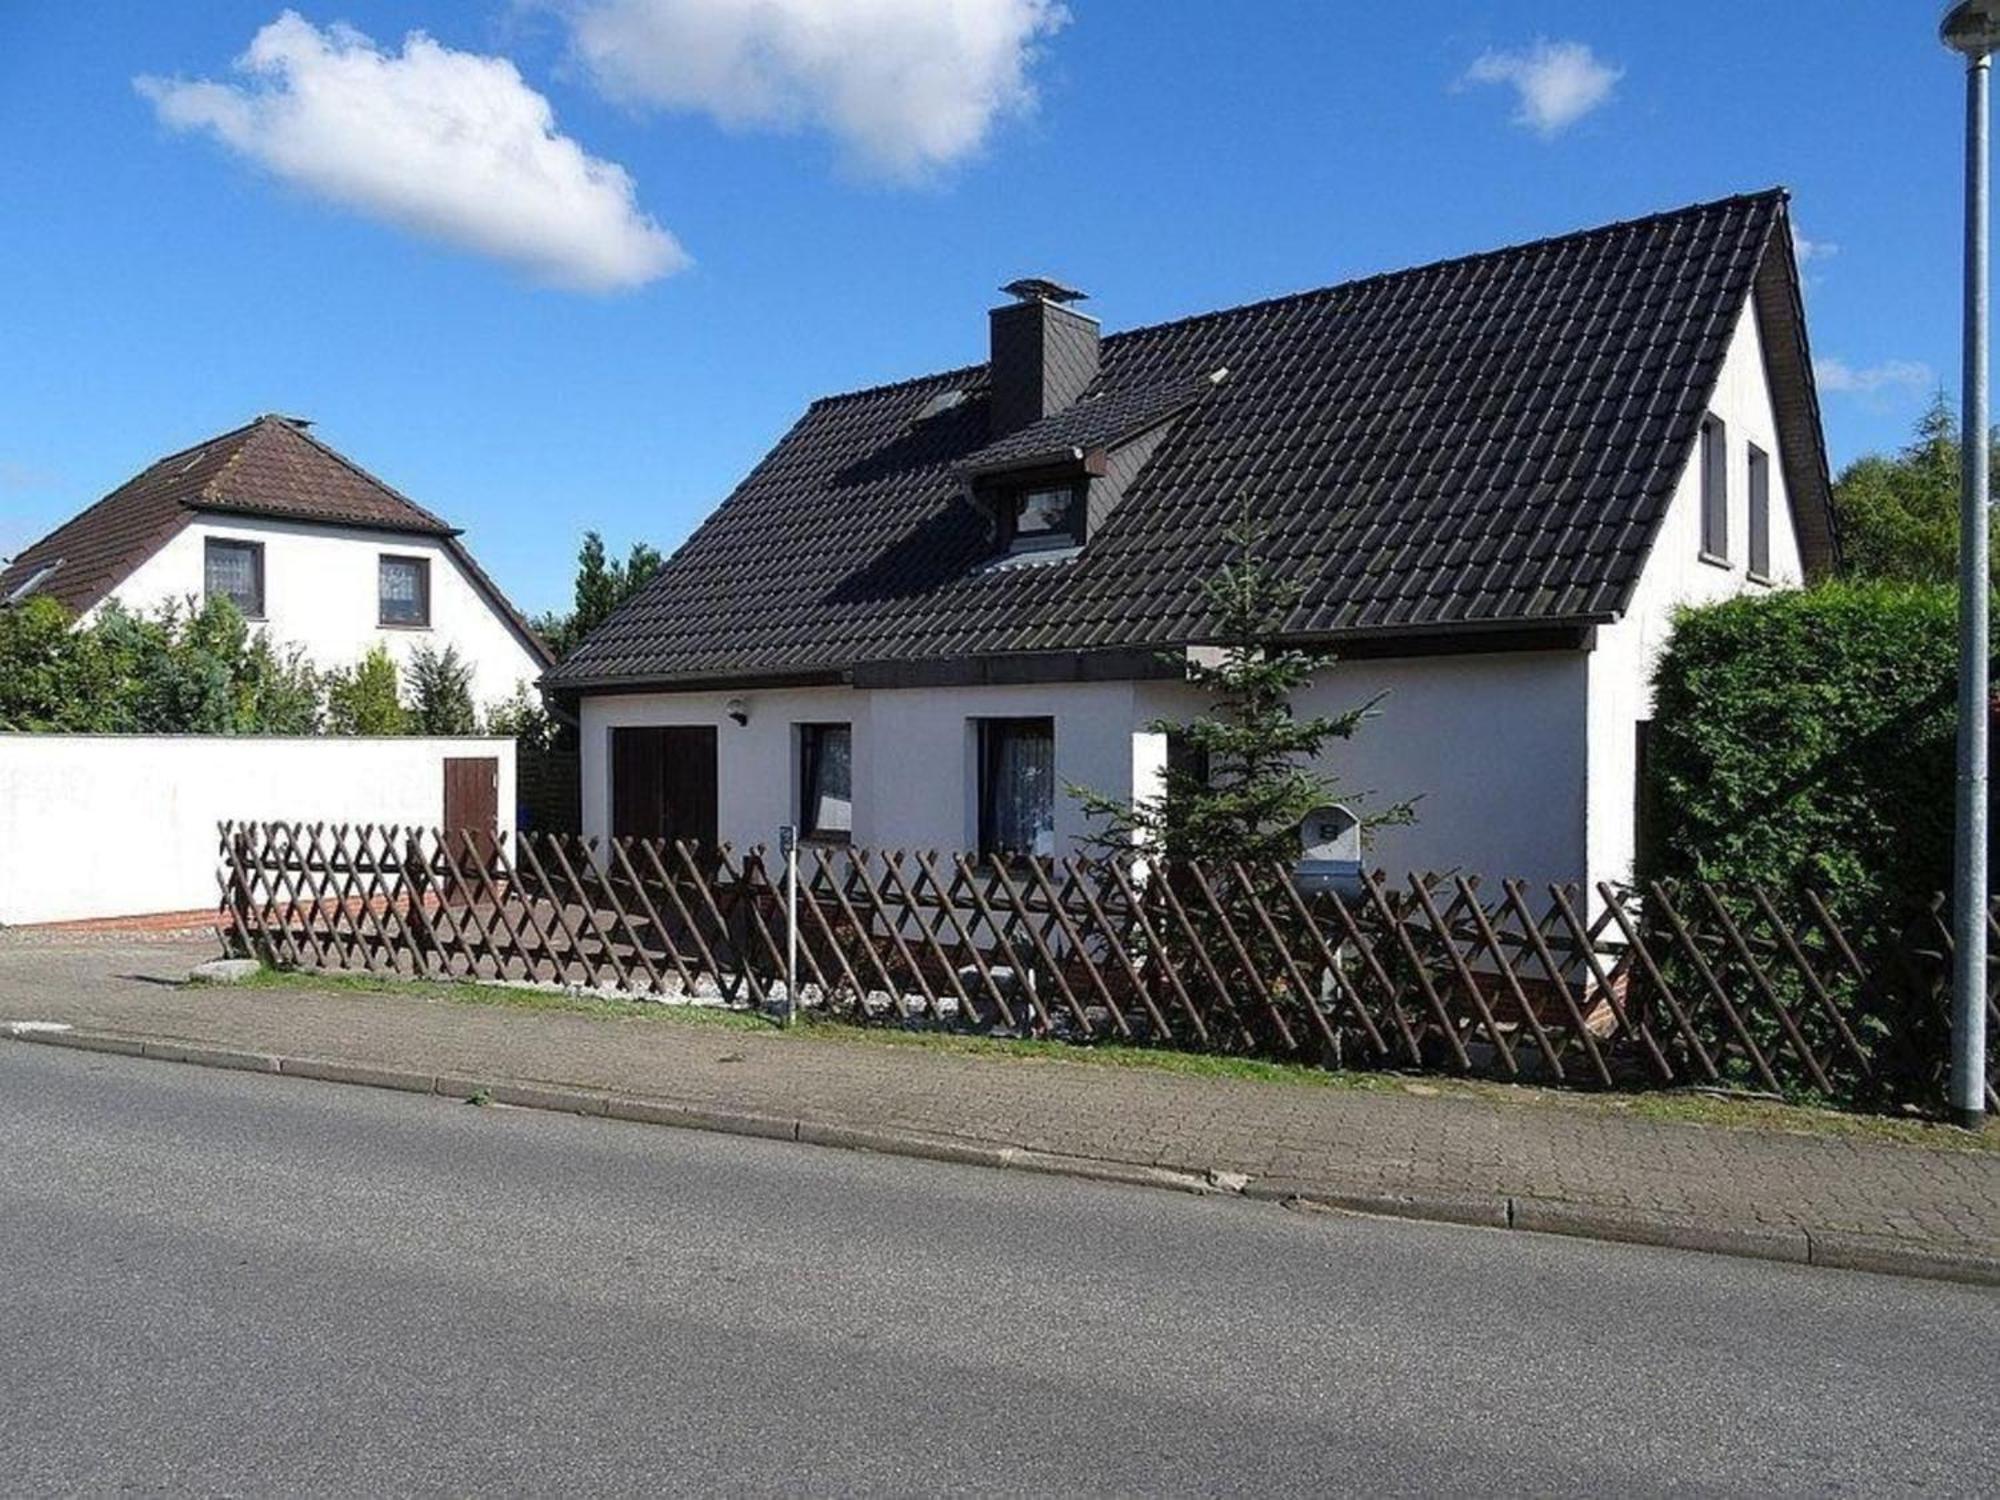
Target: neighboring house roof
x,y
270,468
1483,443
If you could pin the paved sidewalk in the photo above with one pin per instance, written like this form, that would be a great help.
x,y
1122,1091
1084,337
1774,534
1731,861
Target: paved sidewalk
x,y
1530,1158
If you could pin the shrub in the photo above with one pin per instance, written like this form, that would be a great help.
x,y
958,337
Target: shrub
x,y
1807,738
441,693
366,698
180,670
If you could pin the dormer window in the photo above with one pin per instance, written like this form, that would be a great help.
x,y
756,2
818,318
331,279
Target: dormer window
x,y
1045,517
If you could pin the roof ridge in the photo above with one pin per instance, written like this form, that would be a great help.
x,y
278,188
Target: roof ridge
x,y
207,442
341,458
1777,191
892,385
208,491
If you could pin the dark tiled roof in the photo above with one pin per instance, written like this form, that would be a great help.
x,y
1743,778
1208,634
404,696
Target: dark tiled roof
x,y
1485,442
271,467
1100,418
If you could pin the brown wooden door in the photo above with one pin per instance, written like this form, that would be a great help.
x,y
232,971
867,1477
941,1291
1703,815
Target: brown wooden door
x,y
663,783
473,801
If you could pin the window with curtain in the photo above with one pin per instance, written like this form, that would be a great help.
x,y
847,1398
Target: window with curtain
x,y
1017,787
826,782
405,584
1760,512
1714,489
235,571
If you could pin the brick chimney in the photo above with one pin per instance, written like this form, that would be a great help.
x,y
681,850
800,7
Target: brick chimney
x,y
1044,353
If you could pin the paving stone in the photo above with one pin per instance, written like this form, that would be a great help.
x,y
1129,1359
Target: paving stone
x,y
1386,1142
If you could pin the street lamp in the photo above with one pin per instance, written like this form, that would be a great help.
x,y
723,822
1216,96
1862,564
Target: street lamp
x,y
1972,29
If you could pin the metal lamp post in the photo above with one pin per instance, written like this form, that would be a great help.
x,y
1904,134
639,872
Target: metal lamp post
x,y
1972,28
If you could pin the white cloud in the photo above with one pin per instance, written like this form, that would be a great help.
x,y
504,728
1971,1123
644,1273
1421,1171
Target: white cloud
x,y
1812,250
1838,375
1558,83
907,86
449,144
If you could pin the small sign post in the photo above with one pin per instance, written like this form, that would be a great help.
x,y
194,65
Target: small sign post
x,y
788,845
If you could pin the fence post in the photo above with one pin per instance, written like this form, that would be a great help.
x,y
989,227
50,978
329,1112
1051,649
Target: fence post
x,y
788,845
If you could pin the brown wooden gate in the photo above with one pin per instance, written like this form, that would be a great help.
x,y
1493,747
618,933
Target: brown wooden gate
x,y
663,783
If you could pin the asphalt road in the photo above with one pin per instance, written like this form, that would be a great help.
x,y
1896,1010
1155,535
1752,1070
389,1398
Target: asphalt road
x,y
228,1283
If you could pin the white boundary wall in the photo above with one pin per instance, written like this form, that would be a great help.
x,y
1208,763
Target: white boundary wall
x,y
124,825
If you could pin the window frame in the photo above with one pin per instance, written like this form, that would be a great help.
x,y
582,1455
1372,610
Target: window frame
x,y
809,736
212,544
1758,484
990,731
1015,498
1714,460
423,566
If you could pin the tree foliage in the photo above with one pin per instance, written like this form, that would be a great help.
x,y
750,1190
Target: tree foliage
x,y
602,584
524,719
180,670
441,693
1898,514
367,697
1248,778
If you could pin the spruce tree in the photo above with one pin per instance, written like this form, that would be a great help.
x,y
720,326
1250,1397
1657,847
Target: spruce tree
x,y
1249,779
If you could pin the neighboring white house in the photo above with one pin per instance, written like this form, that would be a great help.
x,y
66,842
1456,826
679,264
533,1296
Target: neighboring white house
x,y
313,549
935,605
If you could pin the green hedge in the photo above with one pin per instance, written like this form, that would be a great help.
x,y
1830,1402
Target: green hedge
x,y
1806,738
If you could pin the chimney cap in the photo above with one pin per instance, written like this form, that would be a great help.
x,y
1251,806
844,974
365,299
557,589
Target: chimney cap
x,y
1042,289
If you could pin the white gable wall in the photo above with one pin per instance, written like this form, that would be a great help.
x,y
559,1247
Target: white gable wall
x,y
1676,574
321,593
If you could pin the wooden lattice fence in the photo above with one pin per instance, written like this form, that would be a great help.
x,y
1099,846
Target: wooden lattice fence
x,y
1696,985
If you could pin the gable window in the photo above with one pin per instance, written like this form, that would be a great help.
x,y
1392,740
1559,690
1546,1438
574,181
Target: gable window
x,y
1760,513
826,782
1017,787
1045,517
1714,491
234,571
405,591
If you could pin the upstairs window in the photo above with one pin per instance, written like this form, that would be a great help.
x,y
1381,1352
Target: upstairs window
x,y
1045,517
234,571
826,782
405,591
1760,512
1017,787
1714,490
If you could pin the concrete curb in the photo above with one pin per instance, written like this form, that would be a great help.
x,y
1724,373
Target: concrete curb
x,y
1835,1249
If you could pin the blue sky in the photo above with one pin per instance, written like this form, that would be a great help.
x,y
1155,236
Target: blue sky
x,y
577,263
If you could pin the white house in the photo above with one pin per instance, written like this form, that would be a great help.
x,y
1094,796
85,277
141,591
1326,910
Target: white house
x,y
935,604
312,548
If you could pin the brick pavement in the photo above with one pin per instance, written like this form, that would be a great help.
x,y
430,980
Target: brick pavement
x,y
1403,1138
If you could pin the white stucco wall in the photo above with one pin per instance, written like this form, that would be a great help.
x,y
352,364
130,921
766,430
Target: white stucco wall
x,y
1495,744
915,781
125,825
1676,574
321,593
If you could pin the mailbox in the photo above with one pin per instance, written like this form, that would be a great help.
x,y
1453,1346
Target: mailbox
x,y
1329,852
